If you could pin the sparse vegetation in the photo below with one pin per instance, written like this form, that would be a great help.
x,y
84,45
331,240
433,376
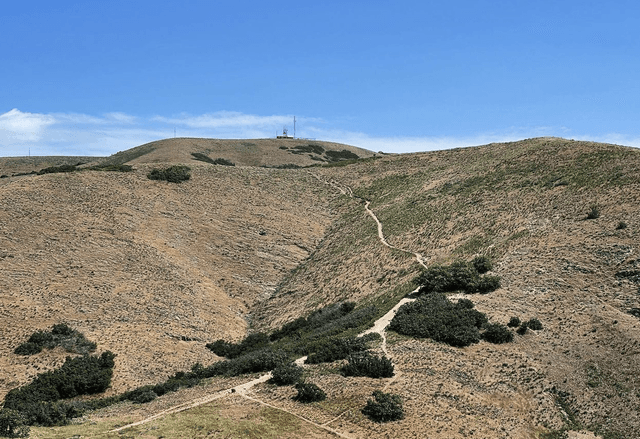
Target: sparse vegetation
x,y
385,407
173,174
594,212
621,225
60,335
309,392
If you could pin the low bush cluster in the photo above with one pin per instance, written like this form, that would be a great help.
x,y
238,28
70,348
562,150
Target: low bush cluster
x,y
112,168
345,154
202,157
436,317
514,322
311,149
39,401
366,364
173,174
286,374
309,392
58,169
251,343
223,162
459,276
59,335
322,335
385,407
336,349
497,333
13,424
315,320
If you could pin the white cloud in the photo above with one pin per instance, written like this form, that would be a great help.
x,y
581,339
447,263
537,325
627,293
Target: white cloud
x,y
16,126
222,119
82,134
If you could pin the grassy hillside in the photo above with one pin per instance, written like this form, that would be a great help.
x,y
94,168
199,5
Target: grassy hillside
x,y
524,204
153,271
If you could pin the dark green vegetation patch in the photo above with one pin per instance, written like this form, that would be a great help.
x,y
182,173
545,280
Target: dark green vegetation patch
x,y
59,335
309,392
385,408
39,401
173,174
459,276
367,365
436,317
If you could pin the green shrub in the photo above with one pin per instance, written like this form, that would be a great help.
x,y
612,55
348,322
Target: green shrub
x,y
593,213
345,154
365,364
514,322
38,400
621,225
534,324
141,395
522,330
223,162
112,168
385,408
13,424
336,349
252,342
28,348
58,169
60,335
311,148
286,374
436,317
497,333
202,157
309,392
173,174
459,276
482,264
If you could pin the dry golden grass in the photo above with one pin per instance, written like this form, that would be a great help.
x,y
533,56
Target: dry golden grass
x,y
120,257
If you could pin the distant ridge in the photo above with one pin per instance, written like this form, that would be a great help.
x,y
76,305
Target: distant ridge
x,y
243,152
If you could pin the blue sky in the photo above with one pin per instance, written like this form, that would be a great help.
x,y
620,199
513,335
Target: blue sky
x,y
98,77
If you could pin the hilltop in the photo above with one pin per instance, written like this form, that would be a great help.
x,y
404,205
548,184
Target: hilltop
x,y
255,152
153,271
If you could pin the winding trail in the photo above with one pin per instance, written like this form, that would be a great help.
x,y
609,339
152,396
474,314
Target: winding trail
x,y
243,390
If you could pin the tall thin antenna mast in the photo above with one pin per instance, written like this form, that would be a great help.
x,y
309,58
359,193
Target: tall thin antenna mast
x,y
294,127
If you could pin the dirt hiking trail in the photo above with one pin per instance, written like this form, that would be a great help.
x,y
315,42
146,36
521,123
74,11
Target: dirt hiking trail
x,y
243,390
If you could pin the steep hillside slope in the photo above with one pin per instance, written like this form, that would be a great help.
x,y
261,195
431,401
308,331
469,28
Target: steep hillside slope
x,y
140,266
525,204
255,152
